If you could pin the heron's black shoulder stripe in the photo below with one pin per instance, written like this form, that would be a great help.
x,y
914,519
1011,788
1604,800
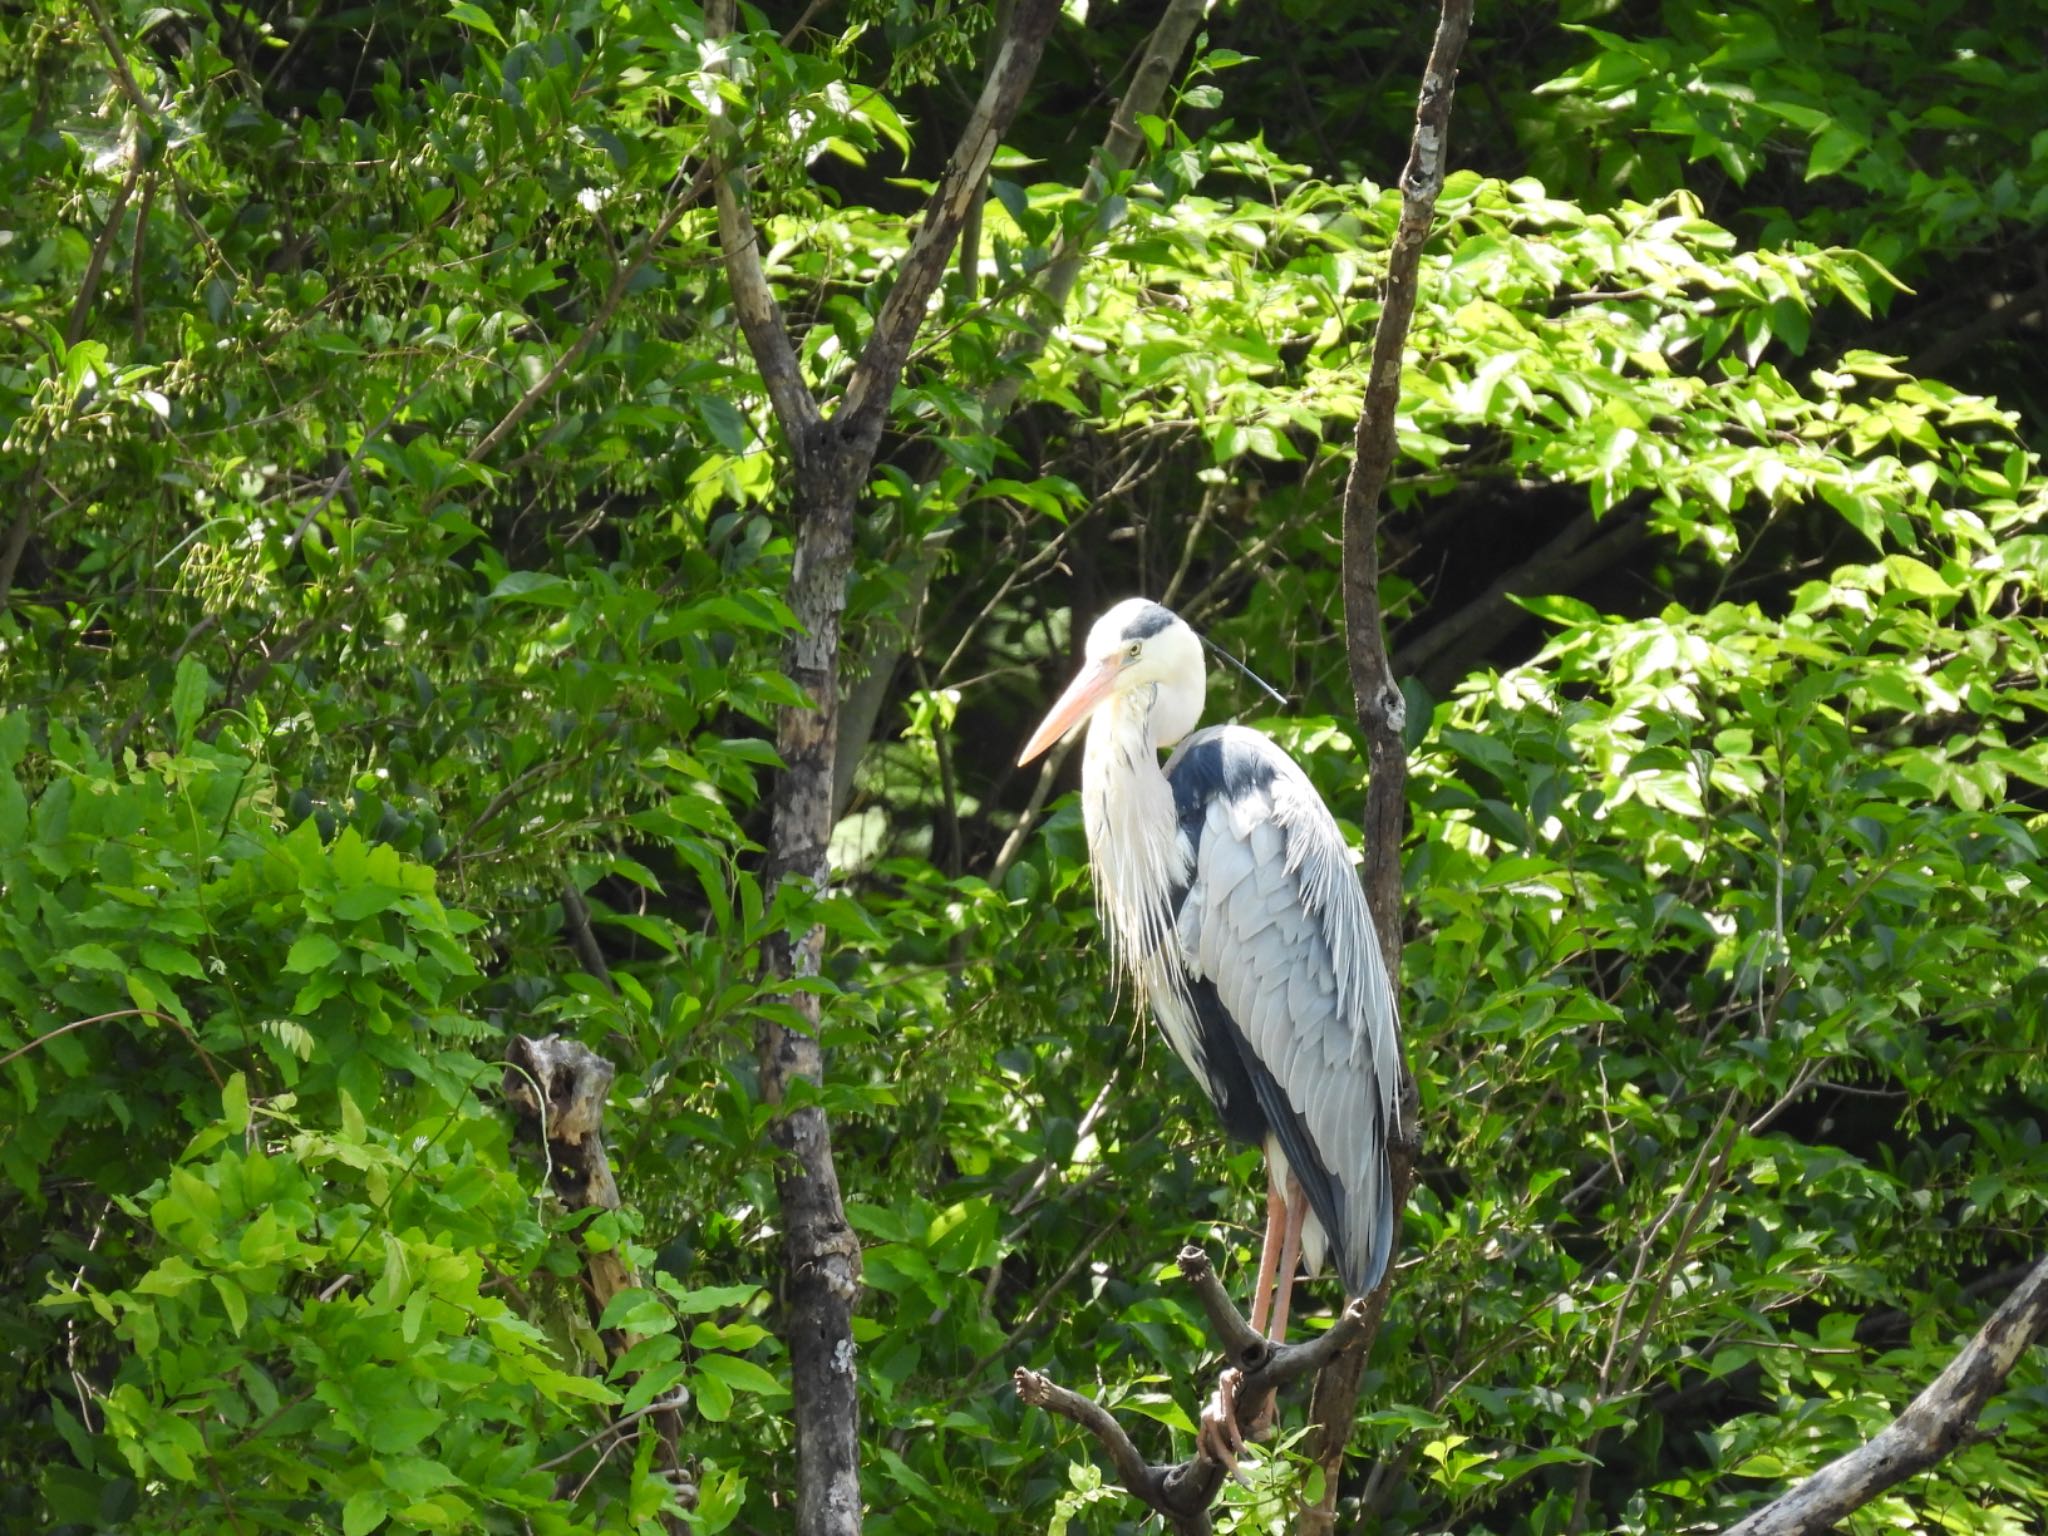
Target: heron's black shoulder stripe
x,y
1251,1102
1217,764
1229,1085
1151,619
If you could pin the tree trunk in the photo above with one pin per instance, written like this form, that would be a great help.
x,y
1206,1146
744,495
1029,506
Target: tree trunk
x,y
833,456
821,1252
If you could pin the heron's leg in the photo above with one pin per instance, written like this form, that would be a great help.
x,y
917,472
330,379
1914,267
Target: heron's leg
x,y
1269,1259
1290,1255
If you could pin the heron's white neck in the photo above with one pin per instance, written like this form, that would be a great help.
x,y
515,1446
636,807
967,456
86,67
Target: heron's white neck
x,y
1133,834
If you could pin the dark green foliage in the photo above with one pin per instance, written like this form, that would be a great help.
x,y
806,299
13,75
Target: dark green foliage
x,y
392,560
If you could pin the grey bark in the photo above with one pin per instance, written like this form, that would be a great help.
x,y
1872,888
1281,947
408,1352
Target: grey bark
x,y
833,456
1181,1492
1935,1423
1382,713
560,1085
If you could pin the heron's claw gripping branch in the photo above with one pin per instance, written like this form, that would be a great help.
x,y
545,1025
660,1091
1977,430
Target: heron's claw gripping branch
x,y
1183,1491
1220,1438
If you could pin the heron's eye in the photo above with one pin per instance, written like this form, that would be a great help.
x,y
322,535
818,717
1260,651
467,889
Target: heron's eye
x,y
1136,647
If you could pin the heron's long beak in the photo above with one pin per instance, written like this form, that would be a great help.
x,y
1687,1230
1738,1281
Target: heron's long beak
x,y
1075,705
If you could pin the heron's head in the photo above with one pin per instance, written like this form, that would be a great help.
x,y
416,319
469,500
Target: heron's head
x,y
1138,650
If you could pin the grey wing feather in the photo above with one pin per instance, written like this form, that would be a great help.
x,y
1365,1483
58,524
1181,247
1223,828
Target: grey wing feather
x,y
1277,922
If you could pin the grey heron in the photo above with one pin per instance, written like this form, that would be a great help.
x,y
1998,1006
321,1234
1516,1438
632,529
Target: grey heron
x,y
1229,899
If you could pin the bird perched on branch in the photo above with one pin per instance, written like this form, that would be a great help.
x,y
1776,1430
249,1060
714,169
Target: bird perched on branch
x,y
1230,900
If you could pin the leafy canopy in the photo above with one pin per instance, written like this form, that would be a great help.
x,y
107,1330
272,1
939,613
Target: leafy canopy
x,y
393,610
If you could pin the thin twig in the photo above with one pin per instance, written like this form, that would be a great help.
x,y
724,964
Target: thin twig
x,y
679,1401
96,263
98,1018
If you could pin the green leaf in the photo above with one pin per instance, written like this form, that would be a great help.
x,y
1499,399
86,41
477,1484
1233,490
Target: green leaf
x,y
363,1512
188,698
713,1396
740,1375
536,587
314,951
1834,148
234,1102
721,1496
171,960
91,957
656,1381
696,1300
233,1301
471,15
401,1426
1917,577
735,1336
13,739
725,424
354,1130
637,1311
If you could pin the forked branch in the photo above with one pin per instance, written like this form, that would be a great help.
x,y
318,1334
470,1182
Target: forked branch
x,y
1182,1491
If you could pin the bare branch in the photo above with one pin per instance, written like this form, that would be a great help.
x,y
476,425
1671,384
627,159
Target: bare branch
x,y
1935,1423
1182,1492
1381,711
1378,699
1132,1469
760,315
1246,1347
881,364
560,1085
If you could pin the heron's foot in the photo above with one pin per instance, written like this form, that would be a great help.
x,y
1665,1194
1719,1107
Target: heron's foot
x,y
1263,1415
1218,1438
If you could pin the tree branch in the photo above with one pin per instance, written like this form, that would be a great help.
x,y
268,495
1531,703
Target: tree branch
x,y
833,461
1382,713
89,284
760,315
1183,1491
860,415
559,1085
1047,300
1934,1423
